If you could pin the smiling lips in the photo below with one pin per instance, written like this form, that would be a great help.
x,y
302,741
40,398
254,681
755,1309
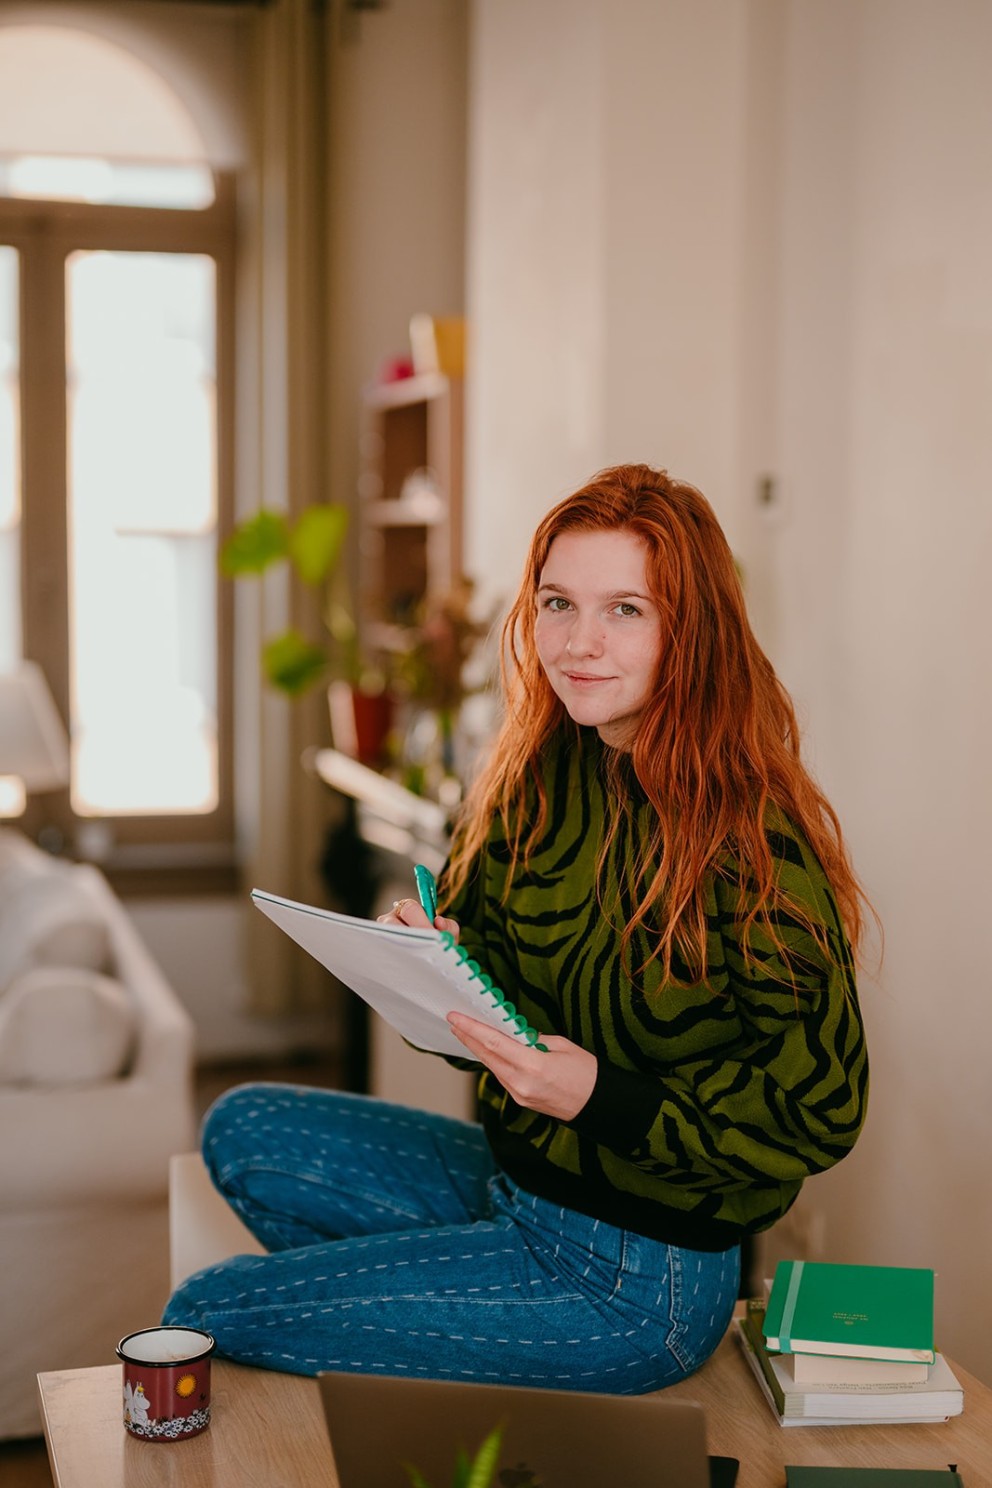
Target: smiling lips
x,y
584,679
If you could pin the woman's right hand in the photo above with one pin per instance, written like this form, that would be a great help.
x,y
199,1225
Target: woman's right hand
x,y
410,912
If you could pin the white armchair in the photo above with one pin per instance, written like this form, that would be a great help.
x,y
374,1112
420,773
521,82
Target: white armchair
x,y
84,1162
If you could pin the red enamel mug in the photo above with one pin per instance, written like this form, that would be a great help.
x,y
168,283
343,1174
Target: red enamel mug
x,y
166,1382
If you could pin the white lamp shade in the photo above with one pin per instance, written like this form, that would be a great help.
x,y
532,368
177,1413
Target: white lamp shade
x,y
33,740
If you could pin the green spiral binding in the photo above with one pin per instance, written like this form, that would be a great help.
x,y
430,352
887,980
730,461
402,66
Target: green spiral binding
x,y
510,1015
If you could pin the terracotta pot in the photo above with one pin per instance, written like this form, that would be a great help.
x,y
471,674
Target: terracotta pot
x,y
360,722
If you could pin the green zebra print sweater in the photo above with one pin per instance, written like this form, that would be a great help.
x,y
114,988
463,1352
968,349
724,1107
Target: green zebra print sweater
x,y
713,1101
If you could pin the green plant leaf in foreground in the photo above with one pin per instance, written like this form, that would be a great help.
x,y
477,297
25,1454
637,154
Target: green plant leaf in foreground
x,y
255,544
292,663
462,1466
475,1472
316,540
484,1467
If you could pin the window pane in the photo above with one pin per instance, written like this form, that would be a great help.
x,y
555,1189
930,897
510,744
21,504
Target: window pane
x,y
10,464
122,183
142,532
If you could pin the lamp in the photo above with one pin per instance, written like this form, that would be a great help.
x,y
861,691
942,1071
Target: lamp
x,y
34,747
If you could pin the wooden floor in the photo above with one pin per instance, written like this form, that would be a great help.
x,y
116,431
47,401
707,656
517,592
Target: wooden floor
x,y
24,1464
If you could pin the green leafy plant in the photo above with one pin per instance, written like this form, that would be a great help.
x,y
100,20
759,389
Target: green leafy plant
x,y
313,546
470,1472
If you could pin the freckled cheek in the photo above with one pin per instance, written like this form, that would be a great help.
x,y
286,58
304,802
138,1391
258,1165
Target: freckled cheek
x,y
549,662
643,661
548,649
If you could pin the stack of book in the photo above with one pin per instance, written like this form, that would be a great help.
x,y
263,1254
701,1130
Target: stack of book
x,y
837,1345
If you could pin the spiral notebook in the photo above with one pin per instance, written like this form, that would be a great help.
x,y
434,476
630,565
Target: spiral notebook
x,y
412,978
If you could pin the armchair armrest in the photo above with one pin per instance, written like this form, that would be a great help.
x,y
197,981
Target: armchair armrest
x,y
113,1138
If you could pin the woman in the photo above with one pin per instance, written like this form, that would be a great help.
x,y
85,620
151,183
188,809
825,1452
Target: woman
x,y
647,869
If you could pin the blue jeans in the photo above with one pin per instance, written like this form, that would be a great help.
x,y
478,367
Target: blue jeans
x,y
397,1246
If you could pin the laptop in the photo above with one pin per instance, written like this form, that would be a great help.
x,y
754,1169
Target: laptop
x,y
551,1438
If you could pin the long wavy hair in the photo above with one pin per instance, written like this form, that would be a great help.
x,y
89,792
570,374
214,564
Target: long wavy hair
x,y
716,746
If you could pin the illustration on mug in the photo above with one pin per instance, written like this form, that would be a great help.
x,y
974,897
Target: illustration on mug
x,y
140,1422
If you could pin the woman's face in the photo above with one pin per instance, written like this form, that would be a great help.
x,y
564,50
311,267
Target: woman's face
x,y
598,631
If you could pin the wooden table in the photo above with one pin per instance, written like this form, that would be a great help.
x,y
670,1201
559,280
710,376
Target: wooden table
x,y
739,1423
267,1431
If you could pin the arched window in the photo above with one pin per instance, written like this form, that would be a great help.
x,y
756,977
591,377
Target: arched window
x,y
83,120
116,358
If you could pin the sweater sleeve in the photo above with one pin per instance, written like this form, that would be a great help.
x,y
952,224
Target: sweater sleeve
x,y
785,1097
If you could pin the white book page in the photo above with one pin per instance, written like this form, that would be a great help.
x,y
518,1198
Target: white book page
x,y
405,974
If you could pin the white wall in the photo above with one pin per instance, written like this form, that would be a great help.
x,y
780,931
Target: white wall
x,y
753,237
535,393
606,228
882,577
396,160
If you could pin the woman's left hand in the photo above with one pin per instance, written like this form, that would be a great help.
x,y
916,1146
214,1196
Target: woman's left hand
x,y
557,1083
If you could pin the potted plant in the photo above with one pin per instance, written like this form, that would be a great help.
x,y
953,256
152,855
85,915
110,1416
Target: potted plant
x,y
431,675
313,546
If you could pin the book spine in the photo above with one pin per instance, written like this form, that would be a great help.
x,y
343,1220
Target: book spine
x,y
758,1368
749,1328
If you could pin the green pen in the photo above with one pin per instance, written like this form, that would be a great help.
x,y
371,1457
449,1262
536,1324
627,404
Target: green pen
x,y
426,890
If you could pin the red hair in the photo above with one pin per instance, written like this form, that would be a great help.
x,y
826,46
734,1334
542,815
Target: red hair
x,y
715,747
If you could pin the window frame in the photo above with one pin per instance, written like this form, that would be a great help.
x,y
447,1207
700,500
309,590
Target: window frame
x,y
150,852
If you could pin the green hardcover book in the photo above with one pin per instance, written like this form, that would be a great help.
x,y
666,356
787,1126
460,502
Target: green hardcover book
x,y
870,1477
867,1312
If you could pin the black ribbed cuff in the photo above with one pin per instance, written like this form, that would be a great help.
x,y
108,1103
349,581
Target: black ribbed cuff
x,y
620,1112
